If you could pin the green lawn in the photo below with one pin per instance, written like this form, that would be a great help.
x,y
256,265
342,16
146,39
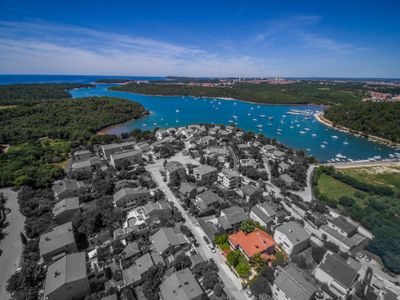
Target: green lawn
x,y
335,189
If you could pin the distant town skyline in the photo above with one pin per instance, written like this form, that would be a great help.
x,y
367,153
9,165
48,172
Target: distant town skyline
x,y
216,39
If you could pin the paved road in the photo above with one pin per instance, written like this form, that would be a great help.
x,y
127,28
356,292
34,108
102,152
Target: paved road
x,y
232,283
11,244
306,194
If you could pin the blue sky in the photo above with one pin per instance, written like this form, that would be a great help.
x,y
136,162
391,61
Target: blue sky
x,y
201,38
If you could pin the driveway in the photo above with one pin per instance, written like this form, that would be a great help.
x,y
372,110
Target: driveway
x,y
232,283
11,244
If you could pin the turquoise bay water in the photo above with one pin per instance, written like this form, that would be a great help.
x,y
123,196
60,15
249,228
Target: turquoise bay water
x,y
295,131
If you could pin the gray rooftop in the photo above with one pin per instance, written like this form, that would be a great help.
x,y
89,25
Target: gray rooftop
x,y
287,179
342,223
261,214
181,285
60,186
209,198
233,215
293,283
205,169
129,191
294,232
68,269
172,166
230,173
59,237
126,154
119,145
134,273
166,237
65,205
337,268
350,242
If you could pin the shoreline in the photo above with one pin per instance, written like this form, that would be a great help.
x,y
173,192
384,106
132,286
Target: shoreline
x,y
226,98
321,118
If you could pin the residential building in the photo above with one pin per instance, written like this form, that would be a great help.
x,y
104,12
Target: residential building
x,y
229,178
207,200
257,214
345,243
65,209
256,242
85,165
66,188
181,285
133,275
287,179
166,242
247,191
57,243
232,217
129,157
337,274
175,167
343,226
82,155
114,148
291,284
205,173
292,237
128,197
66,279
248,162
188,189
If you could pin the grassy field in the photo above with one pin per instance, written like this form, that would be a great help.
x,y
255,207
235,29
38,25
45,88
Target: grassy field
x,y
387,176
335,189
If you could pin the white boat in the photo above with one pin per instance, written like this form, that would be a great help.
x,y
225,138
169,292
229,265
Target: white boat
x,y
259,126
345,143
302,132
291,127
269,124
177,110
255,120
335,137
323,146
230,121
313,135
235,117
249,114
306,129
261,116
270,118
144,125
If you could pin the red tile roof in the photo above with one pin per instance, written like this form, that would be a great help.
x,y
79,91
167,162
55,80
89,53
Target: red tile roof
x,y
252,243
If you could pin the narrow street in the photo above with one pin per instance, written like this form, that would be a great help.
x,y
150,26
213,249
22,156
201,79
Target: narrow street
x,y
11,244
231,282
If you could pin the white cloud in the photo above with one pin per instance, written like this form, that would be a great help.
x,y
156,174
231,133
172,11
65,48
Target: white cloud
x,y
34,47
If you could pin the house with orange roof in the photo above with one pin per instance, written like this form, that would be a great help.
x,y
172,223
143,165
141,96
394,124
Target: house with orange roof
x,y
256,242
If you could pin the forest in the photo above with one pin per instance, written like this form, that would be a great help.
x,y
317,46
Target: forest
x,y
34,131
29,94
370,118
303,92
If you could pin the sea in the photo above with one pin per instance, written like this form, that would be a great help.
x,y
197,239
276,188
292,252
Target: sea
x,y
293,125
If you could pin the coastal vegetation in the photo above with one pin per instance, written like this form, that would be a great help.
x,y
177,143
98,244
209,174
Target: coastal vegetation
x,y
29,94
369,118
41,132
369,201
303,92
